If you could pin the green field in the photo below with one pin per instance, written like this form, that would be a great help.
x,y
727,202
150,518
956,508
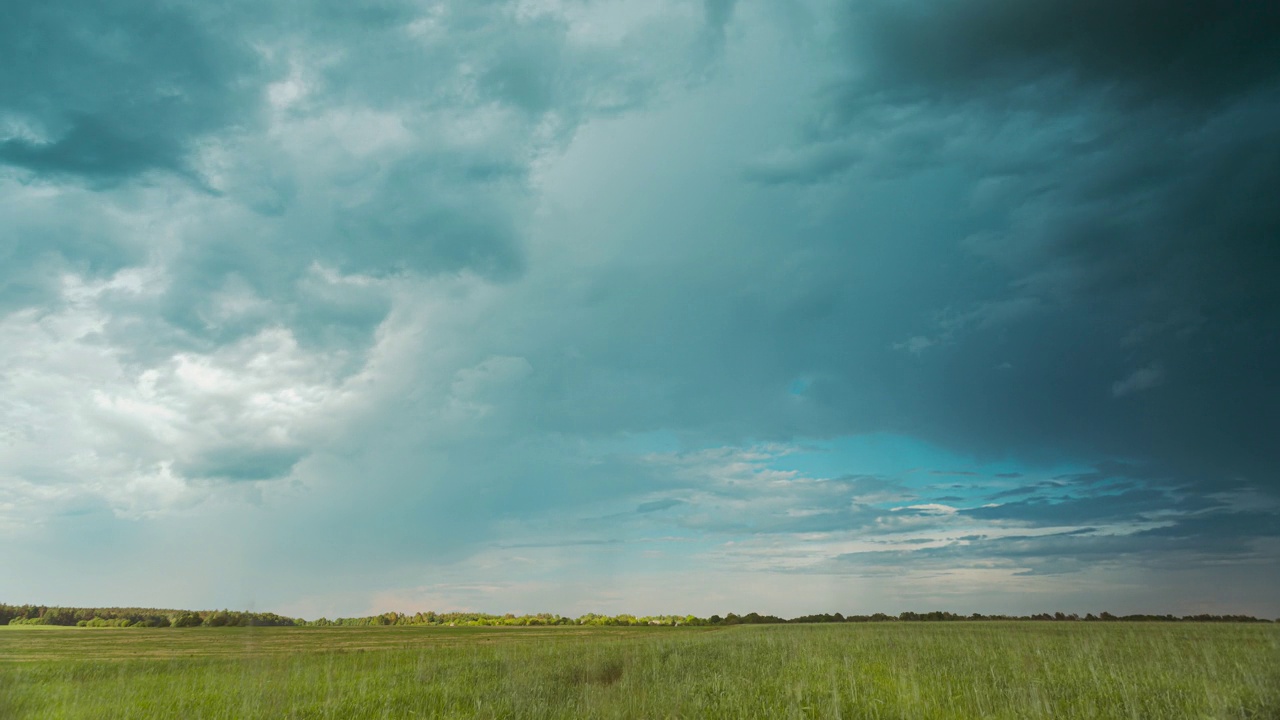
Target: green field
x,y
885,670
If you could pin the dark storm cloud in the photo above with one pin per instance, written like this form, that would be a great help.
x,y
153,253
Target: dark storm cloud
x,y
1199,52
1108,471
1216,532
110,90
1161,314
1124,157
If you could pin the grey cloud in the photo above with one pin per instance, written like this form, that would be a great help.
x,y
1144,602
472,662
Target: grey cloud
x,y
1014,492
239,463
529,72
110,91
1218,533
718,13
44,236
1039,223
1125,506
1199,52
105,94
656,505
770,520
567,543
524,62
464,110
807,165
91,148
424,219
1110,470
1121,157
1203,539
328,314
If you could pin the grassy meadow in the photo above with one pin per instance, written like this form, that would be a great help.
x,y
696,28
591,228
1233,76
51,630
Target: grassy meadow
x,y
881,670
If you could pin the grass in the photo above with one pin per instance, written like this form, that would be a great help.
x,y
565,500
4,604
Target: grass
x,y
886,670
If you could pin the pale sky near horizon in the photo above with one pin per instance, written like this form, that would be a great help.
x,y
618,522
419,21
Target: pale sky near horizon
x,y
684,306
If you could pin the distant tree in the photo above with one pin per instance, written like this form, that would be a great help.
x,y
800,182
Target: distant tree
x,y
220,618
58,616
186,619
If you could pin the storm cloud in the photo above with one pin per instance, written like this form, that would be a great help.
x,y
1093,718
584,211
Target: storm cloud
x,y
559,297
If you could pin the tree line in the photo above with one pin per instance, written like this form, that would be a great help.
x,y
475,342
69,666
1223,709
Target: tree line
x,y
137,617
152,617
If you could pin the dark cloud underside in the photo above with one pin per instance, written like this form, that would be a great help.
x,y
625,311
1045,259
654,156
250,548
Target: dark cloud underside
x,y
1138,314
112,90
1201,52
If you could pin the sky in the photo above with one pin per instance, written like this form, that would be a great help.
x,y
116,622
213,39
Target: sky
x,y
682,306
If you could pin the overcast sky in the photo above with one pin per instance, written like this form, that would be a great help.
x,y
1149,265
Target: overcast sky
x,y
675,306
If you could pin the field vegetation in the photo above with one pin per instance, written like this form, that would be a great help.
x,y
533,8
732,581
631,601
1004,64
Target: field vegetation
x,y
154,618
829,670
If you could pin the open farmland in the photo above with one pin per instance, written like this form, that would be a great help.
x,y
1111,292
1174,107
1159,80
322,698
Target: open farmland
x,y
887,670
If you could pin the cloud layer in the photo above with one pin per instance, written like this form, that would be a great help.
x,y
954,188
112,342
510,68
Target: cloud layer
x,y
542,305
